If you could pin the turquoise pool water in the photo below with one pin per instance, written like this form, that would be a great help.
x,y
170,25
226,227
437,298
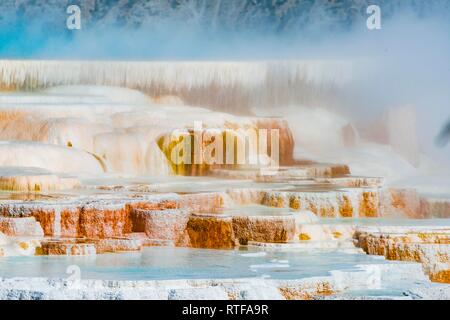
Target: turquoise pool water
x,y
160,263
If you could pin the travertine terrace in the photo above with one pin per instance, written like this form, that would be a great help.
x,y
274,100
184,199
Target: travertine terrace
x,y
86,171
